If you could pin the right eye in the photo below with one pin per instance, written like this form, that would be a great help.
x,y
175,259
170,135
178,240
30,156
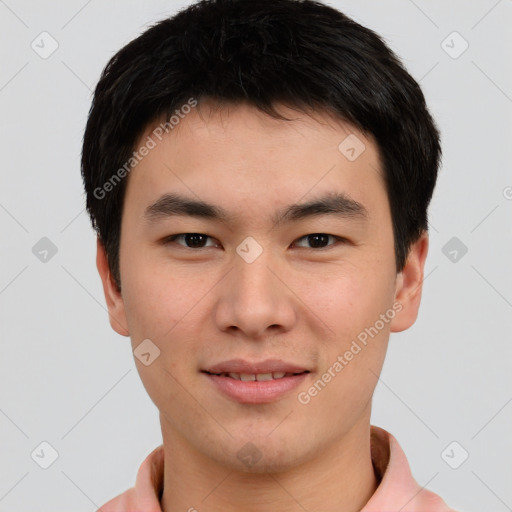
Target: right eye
x,y
190,240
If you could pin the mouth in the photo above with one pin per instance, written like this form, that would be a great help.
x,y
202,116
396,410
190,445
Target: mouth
x,y
259,377
255,383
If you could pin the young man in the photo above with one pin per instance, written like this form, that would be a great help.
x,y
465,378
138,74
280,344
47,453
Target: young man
x,y
258,173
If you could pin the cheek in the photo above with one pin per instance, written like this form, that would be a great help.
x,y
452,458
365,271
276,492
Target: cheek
x,y
166,303
348,298
154,301
160,307
354,350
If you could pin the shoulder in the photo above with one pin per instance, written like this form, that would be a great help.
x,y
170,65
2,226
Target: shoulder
x,y
120,503
397,490
145,495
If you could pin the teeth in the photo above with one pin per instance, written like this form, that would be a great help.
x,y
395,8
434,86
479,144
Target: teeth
x,y
260,377
263,376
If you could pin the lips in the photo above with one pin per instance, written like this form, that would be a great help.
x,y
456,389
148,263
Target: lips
x,y
255,383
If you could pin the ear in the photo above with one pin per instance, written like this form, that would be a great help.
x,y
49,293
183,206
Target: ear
x,y
115,303
409,284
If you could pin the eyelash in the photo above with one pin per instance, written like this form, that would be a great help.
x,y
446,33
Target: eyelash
x,y
172,238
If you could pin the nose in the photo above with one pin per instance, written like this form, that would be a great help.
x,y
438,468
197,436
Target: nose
x,y
255,299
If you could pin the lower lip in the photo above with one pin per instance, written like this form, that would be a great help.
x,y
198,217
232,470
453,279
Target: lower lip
x,y
256,392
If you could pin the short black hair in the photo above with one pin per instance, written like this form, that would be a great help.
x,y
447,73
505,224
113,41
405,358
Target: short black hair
x,y
299,53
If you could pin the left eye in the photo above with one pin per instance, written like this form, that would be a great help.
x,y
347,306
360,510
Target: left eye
x,y
319,240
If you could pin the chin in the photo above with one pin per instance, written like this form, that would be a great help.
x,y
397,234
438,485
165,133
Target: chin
x,y
259,455
267,464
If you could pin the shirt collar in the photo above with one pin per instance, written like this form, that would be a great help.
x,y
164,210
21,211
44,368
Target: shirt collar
x,y
396,490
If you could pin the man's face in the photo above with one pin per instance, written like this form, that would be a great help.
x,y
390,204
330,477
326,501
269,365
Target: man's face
x,y
279,295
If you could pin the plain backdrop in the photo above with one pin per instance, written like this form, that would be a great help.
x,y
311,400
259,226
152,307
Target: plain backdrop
x,y
68,380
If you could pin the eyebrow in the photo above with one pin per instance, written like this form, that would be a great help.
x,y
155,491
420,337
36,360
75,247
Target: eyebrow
x,y
338,204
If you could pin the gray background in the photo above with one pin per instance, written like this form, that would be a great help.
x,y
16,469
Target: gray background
x,y
66,378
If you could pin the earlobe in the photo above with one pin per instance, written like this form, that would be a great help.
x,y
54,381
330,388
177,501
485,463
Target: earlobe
x,y
409,285
115,303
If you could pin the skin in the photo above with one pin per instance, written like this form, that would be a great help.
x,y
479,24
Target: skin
x,y
303,305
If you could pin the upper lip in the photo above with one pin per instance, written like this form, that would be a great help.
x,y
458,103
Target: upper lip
x,y
258,367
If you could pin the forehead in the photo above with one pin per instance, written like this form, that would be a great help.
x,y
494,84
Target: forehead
x,y
244,157
210,121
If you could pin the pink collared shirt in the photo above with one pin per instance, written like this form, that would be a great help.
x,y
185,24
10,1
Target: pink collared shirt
x,y
397,491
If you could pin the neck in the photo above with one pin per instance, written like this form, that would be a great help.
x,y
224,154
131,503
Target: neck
x,y
339,478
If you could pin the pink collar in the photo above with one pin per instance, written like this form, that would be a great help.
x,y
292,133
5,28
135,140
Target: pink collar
x,y
397,489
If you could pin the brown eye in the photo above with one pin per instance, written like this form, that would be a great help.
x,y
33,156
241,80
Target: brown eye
x,y
191,240
318,240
